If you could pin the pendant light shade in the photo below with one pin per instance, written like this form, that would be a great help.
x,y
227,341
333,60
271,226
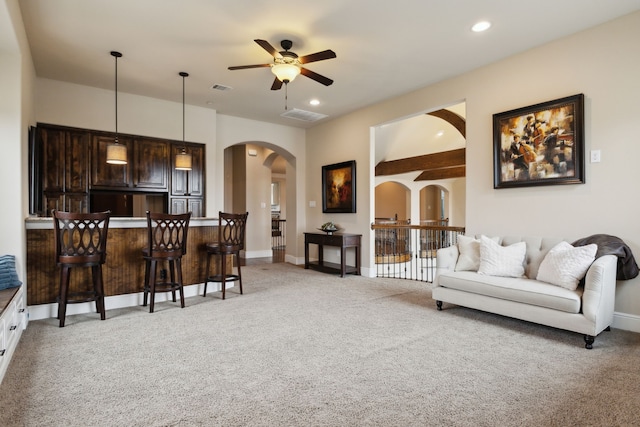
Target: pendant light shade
x,y
116,153
183,159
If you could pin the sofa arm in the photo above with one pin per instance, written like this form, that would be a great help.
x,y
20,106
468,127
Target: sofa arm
x,y
599,295
446,259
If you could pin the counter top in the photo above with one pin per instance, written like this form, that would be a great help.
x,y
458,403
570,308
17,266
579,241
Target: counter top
x,y
42,223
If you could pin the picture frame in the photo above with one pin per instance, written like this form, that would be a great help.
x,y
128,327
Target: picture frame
x,y
339,187
541,144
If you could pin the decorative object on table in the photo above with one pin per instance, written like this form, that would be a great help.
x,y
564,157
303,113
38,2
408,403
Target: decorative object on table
x,y
339,187
542,144
329,228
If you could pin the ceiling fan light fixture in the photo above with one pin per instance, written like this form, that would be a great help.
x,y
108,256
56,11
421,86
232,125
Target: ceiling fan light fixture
x,y
286,73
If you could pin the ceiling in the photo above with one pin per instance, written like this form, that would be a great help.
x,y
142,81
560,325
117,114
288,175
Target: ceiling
x,y
383,50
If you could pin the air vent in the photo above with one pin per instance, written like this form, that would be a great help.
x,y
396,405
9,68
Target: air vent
x,y
221,87
307,116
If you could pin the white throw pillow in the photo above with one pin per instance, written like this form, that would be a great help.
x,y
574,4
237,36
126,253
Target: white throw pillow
x,y
469,249
565,265
497,260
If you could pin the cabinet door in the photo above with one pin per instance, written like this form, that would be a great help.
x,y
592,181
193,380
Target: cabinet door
x,y
77,162
53,201
151,164
53,158
103,174
180,205
188,183
76,202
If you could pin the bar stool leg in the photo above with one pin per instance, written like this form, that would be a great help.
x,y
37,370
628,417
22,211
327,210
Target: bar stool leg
x,y
181,289
152,284
147,268
206,272
98,287
64,288
239,272
172,277
223,273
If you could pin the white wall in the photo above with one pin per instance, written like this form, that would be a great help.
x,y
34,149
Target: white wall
x,y
602,63
16,102
289,143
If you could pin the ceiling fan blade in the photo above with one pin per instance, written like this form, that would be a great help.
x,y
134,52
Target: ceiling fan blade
x,y
318,56
315,76
277,84
267,46
242,67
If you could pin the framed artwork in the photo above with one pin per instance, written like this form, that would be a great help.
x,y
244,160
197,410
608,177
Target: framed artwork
x,y
540,145
339,188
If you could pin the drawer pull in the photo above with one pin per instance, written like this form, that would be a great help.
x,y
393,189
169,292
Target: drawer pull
x,y
13,327
2,352
21,310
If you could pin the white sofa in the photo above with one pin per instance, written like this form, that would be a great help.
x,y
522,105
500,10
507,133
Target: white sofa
x,y
587,310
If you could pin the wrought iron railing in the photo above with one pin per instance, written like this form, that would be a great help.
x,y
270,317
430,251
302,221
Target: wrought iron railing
x,y
278,229
406,251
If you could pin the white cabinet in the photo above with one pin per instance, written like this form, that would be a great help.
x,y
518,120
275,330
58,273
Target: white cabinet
x,y
12,322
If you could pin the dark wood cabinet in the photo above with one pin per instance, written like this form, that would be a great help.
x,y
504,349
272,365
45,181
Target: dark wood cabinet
x,y
107,176
71,165
187,187
65,159
195,205
188,183
69,202
53,152
151,164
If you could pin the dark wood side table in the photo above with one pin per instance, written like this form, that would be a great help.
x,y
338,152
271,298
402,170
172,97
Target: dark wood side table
x,y
341,240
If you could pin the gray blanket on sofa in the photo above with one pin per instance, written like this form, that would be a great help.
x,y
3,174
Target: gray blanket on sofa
x,y
612,245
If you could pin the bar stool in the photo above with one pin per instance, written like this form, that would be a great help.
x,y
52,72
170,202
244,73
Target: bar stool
x,y
166,242
230,242
81,241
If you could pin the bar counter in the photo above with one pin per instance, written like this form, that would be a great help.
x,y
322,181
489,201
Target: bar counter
x,y
123,271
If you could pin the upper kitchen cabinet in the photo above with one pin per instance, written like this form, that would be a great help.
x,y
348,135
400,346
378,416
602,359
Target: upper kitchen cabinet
x,y
151,164
188,183
108,176
65,159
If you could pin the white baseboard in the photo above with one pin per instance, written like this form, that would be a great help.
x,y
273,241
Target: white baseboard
x,y
627,322
47,311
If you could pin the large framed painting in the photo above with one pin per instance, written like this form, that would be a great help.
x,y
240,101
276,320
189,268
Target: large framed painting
x,y
339,187
542,144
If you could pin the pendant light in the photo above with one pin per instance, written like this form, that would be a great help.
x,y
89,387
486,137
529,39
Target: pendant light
x,y
116,153
183,159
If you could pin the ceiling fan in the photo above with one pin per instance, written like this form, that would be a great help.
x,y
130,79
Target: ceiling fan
x,y
287,65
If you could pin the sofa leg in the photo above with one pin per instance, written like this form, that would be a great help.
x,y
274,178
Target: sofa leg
x,y
588,339
439,305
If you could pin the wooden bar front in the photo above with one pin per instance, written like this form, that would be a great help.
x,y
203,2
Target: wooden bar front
x,y
123,271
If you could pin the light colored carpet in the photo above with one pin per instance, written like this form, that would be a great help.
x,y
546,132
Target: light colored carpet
x,y
303,348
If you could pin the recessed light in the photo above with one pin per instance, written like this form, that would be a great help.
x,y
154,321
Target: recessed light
x,y
481,26
314,102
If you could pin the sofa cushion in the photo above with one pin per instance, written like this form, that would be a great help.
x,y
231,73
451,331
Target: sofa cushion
x,y
521,290
496,260
469,249
565,265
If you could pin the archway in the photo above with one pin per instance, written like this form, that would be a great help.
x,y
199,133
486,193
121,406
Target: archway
x,y
248,178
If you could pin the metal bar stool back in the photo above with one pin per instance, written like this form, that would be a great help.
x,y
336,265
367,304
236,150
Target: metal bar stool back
x,y
231,231
80,241
166,242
